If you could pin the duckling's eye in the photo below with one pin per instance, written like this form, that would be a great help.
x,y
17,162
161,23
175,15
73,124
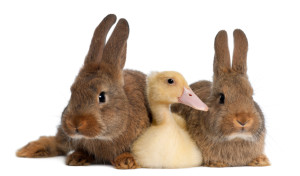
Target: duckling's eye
x,y
170,81
222,98
102,97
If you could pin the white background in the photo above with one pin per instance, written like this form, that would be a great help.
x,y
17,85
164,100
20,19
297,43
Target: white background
x,y
43,45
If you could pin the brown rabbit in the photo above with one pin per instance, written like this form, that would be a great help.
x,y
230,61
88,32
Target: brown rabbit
x,y
232,132
107,110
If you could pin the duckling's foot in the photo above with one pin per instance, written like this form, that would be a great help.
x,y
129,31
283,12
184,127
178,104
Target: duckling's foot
x,y
79,158
260,161
125,161
215,164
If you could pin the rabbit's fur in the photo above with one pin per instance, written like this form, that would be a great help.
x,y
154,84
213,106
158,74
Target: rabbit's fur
x,y
232,132
100,131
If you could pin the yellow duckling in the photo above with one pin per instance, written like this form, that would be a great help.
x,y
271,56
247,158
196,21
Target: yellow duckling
x,y
166,143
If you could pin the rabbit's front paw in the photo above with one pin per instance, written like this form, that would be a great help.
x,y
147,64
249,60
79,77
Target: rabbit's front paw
x,y
260,161
125,161
79,158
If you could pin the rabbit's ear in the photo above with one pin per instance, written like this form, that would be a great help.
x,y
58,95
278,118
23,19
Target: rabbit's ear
x,y
222,56
239,61
123,56
114,55
98,42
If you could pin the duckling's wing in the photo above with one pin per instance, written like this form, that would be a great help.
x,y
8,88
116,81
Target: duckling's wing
x,y
180,121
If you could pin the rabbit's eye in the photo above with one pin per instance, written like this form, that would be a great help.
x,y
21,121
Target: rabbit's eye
x,y
222,98
102,97
170,81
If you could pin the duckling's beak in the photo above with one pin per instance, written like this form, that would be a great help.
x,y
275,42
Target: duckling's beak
x,y
189,98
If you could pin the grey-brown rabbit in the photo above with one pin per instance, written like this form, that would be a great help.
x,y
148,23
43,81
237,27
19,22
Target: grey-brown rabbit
x,y
107,110
232,132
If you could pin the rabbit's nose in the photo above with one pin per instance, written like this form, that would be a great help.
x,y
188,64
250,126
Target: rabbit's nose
x,y
242,123
243,120
79,127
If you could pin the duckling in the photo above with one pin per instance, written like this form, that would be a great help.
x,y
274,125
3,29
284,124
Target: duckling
x,y
166,143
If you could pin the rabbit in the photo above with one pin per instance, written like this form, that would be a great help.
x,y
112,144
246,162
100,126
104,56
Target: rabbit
x,y
232,132
107,109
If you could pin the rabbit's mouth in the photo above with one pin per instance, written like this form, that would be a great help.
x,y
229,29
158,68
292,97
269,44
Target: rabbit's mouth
x,y
241,135
79,137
